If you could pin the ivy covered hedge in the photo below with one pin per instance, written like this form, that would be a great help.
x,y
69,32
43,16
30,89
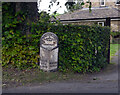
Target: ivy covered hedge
x,y
115,37
81,48
115,34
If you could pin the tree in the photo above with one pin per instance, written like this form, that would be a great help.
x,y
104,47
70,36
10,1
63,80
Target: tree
x,y
50,6
19,14
71,5
74,5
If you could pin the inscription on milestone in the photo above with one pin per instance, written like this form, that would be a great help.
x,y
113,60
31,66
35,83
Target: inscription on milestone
x,y
49,40
49,52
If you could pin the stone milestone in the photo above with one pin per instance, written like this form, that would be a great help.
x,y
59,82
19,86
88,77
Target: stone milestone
x,y
49,52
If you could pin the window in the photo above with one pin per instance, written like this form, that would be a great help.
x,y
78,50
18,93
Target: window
x,y
101,23
117,2
102,2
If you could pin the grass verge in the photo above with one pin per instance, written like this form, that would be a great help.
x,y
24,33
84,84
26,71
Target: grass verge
x,y
113,49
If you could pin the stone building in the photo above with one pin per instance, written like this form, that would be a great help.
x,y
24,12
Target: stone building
x,y
100,9
104,3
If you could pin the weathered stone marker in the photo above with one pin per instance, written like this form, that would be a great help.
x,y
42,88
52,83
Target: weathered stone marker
x,y
49,52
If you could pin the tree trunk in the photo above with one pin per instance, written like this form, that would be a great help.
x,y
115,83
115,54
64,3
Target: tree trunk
x,y
31,11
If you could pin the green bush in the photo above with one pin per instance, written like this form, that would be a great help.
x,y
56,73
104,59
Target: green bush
x,y
18,50
115,37
77,46
115,34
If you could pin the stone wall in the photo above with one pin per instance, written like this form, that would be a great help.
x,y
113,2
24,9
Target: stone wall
x,y
115,25
97,4
84,23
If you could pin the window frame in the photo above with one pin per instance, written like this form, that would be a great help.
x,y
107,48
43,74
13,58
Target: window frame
x,y
101,3
116,2
103,23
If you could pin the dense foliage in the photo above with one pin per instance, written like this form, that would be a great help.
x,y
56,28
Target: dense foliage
x,y
16,47
115,37
77,47
81,48
72,6
115,34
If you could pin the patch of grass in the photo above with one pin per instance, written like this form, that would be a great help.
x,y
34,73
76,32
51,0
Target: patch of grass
x,y
112,63
113,49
